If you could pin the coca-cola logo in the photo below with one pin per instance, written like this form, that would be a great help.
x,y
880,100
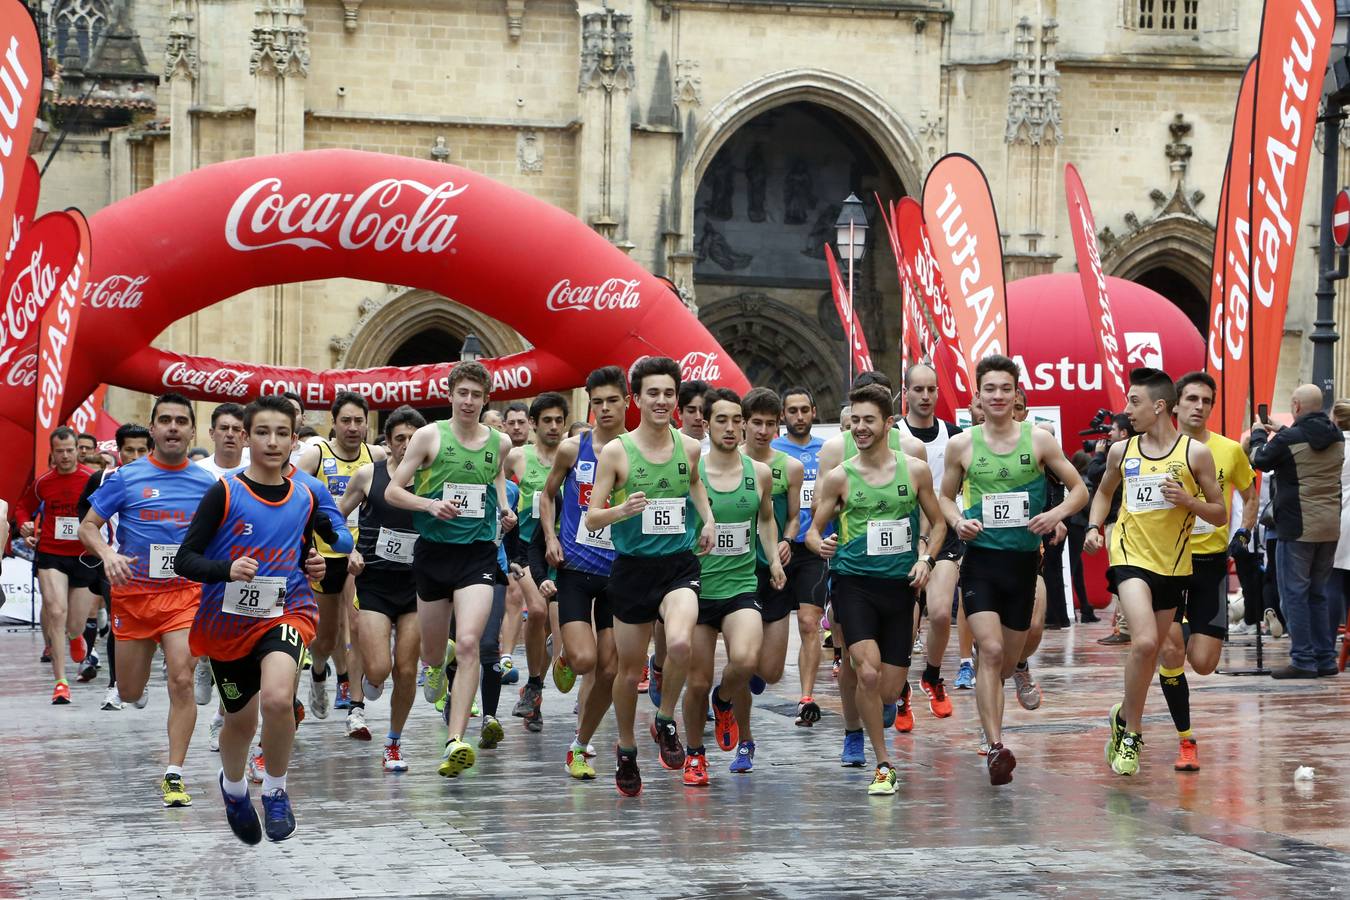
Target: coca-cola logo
x,y
220,382
116,292
612,293
700,366
28,295
263,216
23,373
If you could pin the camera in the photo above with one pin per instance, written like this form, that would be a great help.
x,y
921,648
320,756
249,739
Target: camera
x,y
1100,424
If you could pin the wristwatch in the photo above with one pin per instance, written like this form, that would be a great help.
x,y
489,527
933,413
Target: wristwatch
x,y
927,558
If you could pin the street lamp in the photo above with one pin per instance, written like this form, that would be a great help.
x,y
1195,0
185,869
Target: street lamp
x,y
472,348
851,241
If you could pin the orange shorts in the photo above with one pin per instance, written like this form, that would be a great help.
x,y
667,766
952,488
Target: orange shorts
x,y
147,617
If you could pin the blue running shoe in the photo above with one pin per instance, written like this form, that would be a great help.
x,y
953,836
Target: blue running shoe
x,y
280,819
965,677
888,711
511,676
745,758
757,685
654,679
241,815
853,750
343,700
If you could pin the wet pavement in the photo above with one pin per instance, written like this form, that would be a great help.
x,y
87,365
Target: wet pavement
x,y
80,813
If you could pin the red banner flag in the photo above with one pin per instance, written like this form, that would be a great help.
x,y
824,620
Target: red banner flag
x,y
56,336
959,211
1291,63
20,91
28,285
861,356
25,205
1094,287
85,418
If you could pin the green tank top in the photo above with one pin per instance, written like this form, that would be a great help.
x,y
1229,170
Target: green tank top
x,y
1004,492
851,447
667,525
729,568
778,468
879,526
531,483
467,476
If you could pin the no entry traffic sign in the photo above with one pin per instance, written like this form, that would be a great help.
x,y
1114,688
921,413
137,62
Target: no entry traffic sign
x,y
1340,219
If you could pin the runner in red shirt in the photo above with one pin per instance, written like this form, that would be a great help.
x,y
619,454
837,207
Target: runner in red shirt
x,y
65,581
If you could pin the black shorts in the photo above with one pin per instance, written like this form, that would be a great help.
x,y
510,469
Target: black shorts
x,y
1000,581
806,577
583,597
238,680
953,548
440,569
389,592
515,547
534,557
638,584
1168,591
875,609
712,612
1206,606
334,576
774,605
77,573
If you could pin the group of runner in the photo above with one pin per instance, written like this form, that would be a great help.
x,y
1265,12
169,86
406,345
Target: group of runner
x,y
629,552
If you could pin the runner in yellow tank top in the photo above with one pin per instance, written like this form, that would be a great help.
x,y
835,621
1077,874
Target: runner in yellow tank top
x,y
1165,474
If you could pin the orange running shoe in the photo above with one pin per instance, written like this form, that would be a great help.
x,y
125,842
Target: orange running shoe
x,y
695,770
724,722
646,682
938,701
1188,757
904,714
78,648
61,693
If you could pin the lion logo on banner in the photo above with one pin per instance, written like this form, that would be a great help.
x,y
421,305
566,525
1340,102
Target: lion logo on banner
x,y
1143,348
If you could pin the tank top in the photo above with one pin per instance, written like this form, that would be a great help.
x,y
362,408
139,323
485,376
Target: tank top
x,y
336,473
936,448
591,552
666,526
466,477
807,457
879,526
1004,491
1151,533
531,483
778,471
729,568
387,532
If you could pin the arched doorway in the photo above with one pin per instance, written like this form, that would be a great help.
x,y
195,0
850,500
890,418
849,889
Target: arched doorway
x,y
1172,255
432,345
1179,289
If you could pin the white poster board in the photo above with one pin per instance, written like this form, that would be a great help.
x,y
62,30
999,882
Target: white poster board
x,y
17,582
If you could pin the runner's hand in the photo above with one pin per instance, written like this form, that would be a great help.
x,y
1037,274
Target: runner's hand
x,y
777,577
515,571
244,568
918,576
636,503
553,554
968,529
26,529
1061,532
508,517
785,552
315,565
356,563
1175,494
828,547
1093,542
118,568
441,509
547,588
707,538
1045,523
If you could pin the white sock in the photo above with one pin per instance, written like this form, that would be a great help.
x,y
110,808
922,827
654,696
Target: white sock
x,y
237,789
218,718
273,783
966,660
173,770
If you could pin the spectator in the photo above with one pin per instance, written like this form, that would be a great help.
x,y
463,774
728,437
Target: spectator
x,y
1306,460
1096,467
1340,588
1077,524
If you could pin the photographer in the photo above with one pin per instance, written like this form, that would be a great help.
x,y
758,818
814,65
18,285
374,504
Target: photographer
x,y
1096,468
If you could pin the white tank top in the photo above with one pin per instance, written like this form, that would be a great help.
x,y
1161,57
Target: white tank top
x,y
936,448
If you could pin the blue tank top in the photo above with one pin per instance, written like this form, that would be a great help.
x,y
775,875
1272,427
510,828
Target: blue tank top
x,y
583,551
807,457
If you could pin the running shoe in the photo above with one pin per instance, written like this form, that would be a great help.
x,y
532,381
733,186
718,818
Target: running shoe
x,y
433,684
241,815
278,820
491,734
808,713
474,711
144,701
667,738
888,712
102,621
1113,742
393,758
983,747
371,692
563,677
213,733
744,761
938,701
695,770
645,683
61,693
46,656
201,682
1001,763
627,778
725,727
511,677
1127,754
885,783
853,756
1188,757
531,697
590,748
357,729
459,755
904,712
88,669
507,668
175,794
1028,691
257,766
757,685
112,700
534,722
78,648
655,679
298,709
306,661
834,667
1114,639
343,700
965,677
318,693
577,766
1273,624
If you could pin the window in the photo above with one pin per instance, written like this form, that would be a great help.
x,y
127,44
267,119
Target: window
x,y
1167,15
78,26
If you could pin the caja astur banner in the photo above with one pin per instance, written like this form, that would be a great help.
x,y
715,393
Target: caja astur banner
x,y
843,304
1093,279
20,91
56,336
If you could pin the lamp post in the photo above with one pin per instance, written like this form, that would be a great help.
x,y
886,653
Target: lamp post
x,y
851,240
1336,92
472,348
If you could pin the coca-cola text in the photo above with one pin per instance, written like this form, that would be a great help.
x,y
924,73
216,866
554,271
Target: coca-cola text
x,y
221,382
612,293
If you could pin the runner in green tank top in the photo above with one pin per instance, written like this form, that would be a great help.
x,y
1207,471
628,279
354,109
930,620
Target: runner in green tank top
x,y
1001,517
649,478
874,560
459,494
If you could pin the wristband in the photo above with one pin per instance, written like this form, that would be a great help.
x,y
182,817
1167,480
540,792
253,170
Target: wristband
x,y
1093,526
923,539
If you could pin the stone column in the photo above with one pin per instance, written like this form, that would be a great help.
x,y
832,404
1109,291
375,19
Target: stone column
x,y
1029,211
604,153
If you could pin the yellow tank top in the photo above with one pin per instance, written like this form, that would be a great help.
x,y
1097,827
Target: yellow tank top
x,y
336,473
1232,470
1151,533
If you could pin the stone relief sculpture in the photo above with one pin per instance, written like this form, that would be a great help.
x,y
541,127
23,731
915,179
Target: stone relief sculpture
x,y
757,179
712,244
799,193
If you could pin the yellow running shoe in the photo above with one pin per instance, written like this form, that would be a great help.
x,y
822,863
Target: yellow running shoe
x,y
175,794
458,757
577,766
563,676
886,782
1113,742
492,734
1127,754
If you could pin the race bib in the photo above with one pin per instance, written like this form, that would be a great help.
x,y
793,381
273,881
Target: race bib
x,y
598,539
1202,527
733,539
395,546
808,493
67,528
354,518
262,598
161,560
1010,510
887,537
471,499
1143,493
663,516
534,504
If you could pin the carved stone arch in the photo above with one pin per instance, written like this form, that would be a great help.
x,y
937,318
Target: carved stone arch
x,y
386,322
777,346
1182,244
